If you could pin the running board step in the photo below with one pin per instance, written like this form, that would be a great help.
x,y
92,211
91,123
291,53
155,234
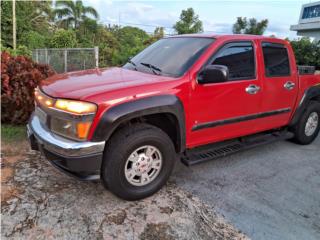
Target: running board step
x,y
218,150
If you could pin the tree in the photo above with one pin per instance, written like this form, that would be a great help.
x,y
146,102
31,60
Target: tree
x,y
307,52
108,46
30,16
73,13
189,22
251,26
131,41
63,39
34,40
157,34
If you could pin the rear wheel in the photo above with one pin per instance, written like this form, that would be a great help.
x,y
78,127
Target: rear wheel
x,y
138,161
308,127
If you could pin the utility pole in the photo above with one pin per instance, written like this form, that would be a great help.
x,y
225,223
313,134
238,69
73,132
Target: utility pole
x,y
119,16
14,30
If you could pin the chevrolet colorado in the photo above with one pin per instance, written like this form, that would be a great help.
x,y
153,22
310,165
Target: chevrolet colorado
x,y
188,97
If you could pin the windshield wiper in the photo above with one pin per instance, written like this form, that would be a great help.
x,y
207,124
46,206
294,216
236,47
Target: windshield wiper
x,y
152,67
133,63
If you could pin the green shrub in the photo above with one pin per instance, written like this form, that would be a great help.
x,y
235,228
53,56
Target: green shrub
x,y
20,51
34,40
63,39
307,52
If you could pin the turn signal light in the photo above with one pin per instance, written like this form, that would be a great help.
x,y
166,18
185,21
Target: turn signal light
x,y
83,129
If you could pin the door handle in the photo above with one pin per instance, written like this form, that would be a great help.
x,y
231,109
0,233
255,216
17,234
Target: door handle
x,y
252,89
289,85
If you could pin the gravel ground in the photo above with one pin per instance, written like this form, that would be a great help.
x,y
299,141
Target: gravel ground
x,y
38,202
271,192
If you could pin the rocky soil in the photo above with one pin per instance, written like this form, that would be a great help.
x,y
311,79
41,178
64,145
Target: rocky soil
x,y
39,202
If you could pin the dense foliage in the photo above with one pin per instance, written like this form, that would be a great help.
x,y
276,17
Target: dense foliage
x,y
307,52
63,39
30,16
69,24
19,76
189,22
250,26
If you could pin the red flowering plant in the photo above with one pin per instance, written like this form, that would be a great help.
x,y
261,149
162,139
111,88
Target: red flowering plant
x,y
19,76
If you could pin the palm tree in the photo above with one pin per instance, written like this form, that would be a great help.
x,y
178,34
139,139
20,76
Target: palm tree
x,y
73,13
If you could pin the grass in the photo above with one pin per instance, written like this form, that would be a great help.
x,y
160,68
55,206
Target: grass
x,y
13,133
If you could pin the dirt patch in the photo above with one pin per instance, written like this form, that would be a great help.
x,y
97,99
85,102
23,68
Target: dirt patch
x,y
42,203
11,154
117,217
160,231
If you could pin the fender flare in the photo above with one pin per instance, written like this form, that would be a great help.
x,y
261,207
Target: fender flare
x,y
121,113
310,93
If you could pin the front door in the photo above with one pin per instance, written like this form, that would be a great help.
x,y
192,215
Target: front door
x,y
226,110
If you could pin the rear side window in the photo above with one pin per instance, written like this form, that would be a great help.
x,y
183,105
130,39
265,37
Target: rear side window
x,y
239,58
276,60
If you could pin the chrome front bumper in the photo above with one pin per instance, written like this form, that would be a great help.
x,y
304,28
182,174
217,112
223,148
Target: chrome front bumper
x,y
60,145
80,159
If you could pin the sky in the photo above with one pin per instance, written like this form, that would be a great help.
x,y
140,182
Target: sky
x,y
217,16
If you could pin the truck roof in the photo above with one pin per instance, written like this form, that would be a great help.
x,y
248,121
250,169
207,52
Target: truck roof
x,y
230,36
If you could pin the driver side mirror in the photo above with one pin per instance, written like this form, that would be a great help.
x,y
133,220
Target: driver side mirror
x,y
213,74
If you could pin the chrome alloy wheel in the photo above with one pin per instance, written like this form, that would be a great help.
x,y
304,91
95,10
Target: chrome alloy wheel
x,y
143,165
312,124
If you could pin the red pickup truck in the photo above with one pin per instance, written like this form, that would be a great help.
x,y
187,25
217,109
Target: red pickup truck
x,y
188,97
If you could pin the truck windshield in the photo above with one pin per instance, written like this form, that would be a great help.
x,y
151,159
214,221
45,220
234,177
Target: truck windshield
x,y
169,56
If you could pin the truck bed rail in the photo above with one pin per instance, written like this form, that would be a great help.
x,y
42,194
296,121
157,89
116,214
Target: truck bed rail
x,y
306,70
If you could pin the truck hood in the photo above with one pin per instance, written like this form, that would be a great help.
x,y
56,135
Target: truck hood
x,y
83,85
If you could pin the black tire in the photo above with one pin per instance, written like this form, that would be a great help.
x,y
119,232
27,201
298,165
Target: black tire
x,y
300,136
121,145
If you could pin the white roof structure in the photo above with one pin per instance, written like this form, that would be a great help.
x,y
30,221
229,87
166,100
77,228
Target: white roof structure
x,y
309,21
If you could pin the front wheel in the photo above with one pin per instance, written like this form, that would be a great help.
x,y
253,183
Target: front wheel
x,y
137,161
308,126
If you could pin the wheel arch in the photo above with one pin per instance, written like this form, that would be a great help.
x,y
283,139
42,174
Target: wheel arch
x,y
164,111
311,94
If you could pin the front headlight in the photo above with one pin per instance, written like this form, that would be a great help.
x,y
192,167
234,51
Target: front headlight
x,y
75,128
70,128
76,107
73,118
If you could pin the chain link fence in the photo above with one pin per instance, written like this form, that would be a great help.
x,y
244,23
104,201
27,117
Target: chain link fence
x,y
67,59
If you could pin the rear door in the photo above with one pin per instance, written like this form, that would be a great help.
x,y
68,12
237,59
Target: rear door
x,y
280,84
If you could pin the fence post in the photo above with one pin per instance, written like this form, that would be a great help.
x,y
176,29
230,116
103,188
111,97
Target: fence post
x,y
65,60
96,56
37,57
46,55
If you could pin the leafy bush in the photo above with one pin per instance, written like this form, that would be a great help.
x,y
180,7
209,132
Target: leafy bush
x,y
307,52
64,39
34,40
20,51
19,76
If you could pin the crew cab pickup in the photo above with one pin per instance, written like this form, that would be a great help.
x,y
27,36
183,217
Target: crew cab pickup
x,y
188,97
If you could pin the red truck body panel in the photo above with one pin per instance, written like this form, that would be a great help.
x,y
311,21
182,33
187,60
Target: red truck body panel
x,y
202,103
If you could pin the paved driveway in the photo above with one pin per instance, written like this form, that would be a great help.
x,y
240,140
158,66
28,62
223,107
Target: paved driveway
x,y
270,192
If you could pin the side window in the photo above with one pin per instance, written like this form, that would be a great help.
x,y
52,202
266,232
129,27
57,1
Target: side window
x,y
276,60
239,58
